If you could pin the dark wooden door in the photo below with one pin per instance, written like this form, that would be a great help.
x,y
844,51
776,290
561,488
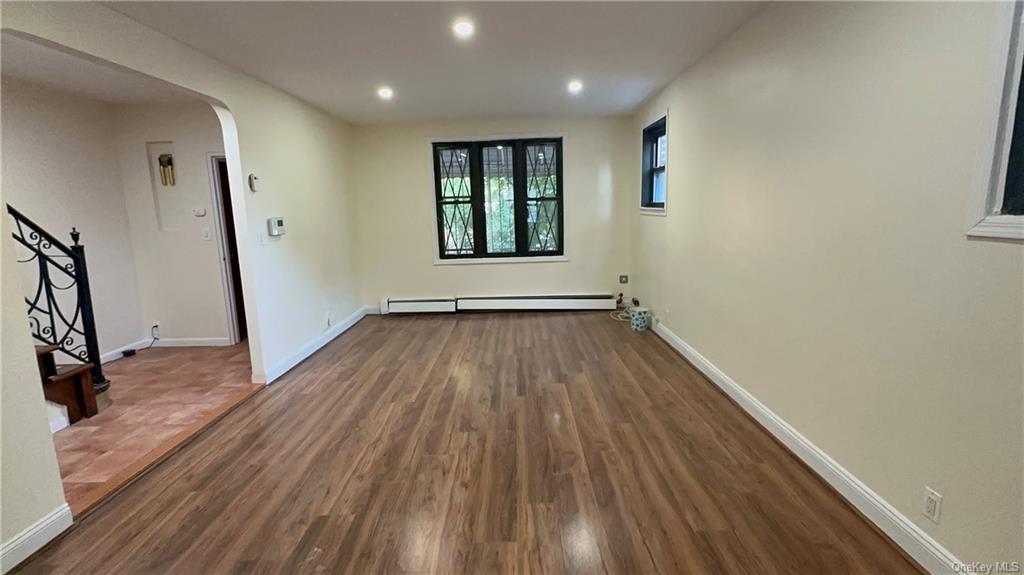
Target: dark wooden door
x,y
231,249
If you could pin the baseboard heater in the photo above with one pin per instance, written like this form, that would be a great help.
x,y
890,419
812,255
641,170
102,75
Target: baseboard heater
x,y
495,303
417,305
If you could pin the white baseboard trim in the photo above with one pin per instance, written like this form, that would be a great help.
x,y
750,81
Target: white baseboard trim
x,y
904,532
116,353
191,342
311,347
34,537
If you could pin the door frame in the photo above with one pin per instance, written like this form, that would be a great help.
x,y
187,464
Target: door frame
x,y
222,244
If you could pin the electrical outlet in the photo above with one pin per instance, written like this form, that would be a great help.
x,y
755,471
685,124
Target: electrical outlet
x,y
154,330
932,504
623,279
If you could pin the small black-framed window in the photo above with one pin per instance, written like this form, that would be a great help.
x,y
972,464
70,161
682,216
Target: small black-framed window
x,y
1013,192
499,198
655,158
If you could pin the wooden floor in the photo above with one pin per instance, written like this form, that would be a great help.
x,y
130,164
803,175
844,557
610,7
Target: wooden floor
x,y
157,399
480,443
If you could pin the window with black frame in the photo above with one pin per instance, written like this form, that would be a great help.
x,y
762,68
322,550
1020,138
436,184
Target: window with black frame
x,y
1013,192
499,198
655,158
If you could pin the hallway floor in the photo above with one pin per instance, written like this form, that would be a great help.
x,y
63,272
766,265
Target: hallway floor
x,y
480,443
157,399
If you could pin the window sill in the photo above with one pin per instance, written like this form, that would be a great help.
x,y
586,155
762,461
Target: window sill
x,y
653,212
999,227
519,260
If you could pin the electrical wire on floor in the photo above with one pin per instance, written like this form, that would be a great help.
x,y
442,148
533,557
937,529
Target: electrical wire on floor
x,y
621,314
153,335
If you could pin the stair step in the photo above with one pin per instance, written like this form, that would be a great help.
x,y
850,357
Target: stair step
x,y
72,387
68,371
46,361
45,349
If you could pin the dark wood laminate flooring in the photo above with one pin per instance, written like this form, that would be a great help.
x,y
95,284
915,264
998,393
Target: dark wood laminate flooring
x,y
480,443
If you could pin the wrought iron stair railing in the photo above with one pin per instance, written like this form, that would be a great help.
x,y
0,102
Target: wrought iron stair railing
x,y
60,310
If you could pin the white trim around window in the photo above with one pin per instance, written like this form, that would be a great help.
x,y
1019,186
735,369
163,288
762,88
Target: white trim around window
x,y
985,219
438,261
510,260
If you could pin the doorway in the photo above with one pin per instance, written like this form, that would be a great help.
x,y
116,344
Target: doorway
x,y
229,251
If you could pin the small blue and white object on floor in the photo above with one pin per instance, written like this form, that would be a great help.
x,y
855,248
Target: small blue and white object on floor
x,y
639,318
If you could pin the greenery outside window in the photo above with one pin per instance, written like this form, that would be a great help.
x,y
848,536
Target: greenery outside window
x,y
499,199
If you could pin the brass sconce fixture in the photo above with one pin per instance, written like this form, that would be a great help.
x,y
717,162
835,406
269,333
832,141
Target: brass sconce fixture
x,y
166,162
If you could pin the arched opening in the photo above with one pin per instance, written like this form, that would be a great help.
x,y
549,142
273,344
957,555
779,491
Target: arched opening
x,y
138,315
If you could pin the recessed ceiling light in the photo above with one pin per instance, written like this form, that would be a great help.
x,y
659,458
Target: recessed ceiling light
x,y
574,86
463,28
385,93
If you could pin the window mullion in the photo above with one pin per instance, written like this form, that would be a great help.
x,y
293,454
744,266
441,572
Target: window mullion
x,y
519,195
476,190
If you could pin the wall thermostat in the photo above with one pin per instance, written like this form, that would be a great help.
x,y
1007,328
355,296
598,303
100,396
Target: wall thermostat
x,y
275,226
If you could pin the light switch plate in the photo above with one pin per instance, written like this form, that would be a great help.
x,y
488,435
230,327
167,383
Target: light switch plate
x,y
932,504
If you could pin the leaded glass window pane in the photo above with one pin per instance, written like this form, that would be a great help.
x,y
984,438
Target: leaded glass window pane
x,y
454,163
542,225
456,201
542,201
499,198
541,171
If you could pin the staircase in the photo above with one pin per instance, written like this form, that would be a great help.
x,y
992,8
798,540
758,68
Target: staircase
x,y
61,318
68,385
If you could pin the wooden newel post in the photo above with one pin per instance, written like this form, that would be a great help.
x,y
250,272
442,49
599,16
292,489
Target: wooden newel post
x,y
92,346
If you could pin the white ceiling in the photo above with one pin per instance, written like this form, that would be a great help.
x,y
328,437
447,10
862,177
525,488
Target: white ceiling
x,y
40,64
335,54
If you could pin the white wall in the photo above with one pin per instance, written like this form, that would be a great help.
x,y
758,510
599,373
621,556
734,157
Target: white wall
x,y
299,152
821,164
179,272
394,183
301,155
30,487
74,161
60,168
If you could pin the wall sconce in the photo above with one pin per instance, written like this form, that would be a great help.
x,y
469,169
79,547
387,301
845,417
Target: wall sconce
x,y
166,162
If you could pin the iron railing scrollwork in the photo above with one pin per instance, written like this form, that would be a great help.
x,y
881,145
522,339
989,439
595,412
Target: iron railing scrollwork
x,y
60,309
